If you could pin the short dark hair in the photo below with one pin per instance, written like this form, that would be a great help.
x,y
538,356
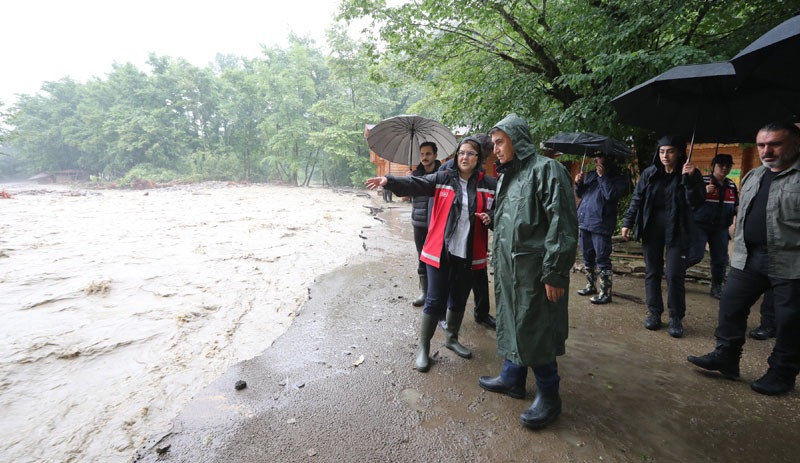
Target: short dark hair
x,y
722,159
776,126
431,144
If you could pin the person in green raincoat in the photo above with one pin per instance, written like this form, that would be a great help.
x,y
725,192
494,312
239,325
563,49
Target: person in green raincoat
x,y
535,225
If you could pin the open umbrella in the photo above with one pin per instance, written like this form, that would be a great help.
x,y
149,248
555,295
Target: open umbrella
x,y
704,102
773,59
397,139
587,143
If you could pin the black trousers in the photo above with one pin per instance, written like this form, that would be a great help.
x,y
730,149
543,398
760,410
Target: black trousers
x,y
480,292
420,233
655,258
742,291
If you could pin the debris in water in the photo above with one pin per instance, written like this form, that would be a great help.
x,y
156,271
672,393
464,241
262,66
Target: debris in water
x,y
359,361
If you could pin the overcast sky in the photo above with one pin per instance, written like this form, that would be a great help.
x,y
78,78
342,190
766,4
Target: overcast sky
x,y
45,40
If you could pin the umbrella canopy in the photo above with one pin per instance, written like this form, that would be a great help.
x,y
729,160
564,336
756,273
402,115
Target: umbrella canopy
x,y
397,139
773,59
703,101
587,143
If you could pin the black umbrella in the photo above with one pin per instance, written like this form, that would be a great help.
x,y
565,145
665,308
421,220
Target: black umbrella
x,y
587,143
703,101
773,59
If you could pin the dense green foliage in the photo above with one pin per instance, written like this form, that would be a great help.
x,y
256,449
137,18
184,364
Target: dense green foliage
x,y
557,63
297,114
294,116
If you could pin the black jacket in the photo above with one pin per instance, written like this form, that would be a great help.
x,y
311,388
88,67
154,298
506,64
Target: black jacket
x,y
689,193
421,205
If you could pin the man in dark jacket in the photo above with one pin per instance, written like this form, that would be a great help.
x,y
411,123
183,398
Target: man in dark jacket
x,y
600,192
535,237
420,213
714,218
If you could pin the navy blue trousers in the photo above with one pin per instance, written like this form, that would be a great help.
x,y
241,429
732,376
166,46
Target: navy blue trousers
x,y
596,248
717,239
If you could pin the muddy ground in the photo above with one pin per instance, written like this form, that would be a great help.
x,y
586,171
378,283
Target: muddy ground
x,y
339,386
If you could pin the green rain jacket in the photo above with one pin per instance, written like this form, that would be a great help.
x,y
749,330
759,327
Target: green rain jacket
x,y
535,227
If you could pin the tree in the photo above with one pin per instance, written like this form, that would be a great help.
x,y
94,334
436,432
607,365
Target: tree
x,y
363,90
557,63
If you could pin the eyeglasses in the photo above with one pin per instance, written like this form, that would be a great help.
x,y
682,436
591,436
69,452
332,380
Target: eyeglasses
x,y
470,154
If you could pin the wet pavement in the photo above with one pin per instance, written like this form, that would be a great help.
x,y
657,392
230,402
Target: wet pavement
x,y
339,385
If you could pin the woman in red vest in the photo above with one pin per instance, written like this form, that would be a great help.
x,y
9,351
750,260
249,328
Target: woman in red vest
x,y
456,243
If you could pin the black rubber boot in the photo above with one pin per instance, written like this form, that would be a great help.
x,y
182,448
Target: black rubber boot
x,y
605,288
454,320
591,278
723,360
423,288
510,381
426,329
544,410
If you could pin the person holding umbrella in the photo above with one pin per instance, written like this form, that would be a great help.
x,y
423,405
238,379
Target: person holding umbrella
x,y
660,214
599,191
456,243
766,256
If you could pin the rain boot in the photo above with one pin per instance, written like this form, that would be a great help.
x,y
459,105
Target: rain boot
x,y
591,278
423,288
605,288
510,382
454,320
544,410
426,329
546,405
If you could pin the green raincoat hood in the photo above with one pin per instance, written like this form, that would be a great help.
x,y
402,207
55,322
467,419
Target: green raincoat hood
x,y
517,129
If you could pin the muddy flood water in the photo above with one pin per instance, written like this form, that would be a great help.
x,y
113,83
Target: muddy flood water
x,y
118,306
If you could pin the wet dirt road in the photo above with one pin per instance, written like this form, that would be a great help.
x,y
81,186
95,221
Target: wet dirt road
x,y
339,386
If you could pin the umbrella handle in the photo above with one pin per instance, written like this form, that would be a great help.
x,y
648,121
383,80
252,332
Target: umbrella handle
x,y
691,147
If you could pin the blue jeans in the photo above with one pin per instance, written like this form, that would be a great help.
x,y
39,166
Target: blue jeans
x,y
448,286
717,239
596,248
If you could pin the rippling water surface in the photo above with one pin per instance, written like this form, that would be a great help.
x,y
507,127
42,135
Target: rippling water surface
x,y
117,306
